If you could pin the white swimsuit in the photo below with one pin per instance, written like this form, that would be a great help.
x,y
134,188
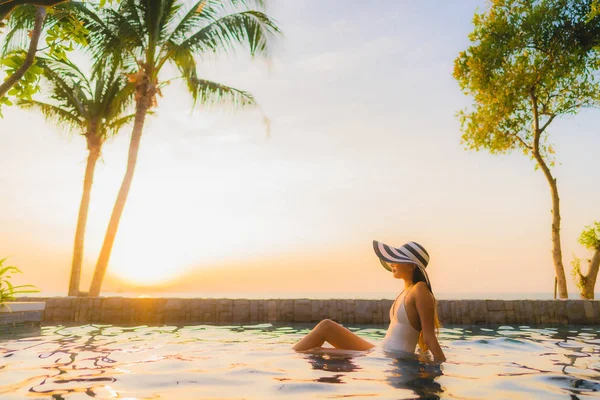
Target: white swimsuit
x,y
400,336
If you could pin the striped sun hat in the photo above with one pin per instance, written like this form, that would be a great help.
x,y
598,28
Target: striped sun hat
x,y
411,252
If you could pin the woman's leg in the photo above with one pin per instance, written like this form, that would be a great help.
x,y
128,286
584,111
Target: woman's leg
x,y
334,334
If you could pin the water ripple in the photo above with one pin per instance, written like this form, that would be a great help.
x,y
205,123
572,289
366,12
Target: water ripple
x,y
256,361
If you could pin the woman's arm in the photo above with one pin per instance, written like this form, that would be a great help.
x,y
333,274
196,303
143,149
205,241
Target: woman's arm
x,y
425,307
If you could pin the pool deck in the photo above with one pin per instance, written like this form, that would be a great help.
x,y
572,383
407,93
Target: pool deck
x,y
186,311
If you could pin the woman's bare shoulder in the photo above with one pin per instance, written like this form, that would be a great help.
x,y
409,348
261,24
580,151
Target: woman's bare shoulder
x,y
422,291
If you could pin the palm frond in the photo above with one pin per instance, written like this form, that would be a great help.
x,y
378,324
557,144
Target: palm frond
x,y
208,92
183,58
201,13
116,98
105,26
66,68
55,114
252,28
22,20
67,88
114,126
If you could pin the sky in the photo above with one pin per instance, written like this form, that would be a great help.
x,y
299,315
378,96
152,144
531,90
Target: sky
x,y
363,144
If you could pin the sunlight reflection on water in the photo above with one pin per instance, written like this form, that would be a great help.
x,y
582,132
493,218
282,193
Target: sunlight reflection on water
x,y
257,362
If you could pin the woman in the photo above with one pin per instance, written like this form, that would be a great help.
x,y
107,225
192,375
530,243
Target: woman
x,y
413,315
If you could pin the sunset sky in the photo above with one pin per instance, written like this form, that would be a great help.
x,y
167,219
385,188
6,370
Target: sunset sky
x,y
364,144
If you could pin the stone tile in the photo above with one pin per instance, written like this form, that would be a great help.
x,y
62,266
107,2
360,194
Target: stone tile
x,y
112,303
48,314
575,312
241,311
543,311
62,314
285,310
529,312
588,308
302,310
596,307
511,317
225,317
465,316
345,311
445,314
254,317
365,309
479,311
552,311
495,305
336,310
349,311
319,310
175,305
561,312
224,311
63,302
144,311
377,312
272,311
127,312
385,310
517,311
497,317
111,316
204,311
454,309
536,312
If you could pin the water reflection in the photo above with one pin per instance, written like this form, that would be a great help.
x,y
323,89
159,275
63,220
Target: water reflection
x,y
105,361
416,375
401,372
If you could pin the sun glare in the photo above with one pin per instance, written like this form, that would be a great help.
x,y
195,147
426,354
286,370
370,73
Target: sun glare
x,y
145,268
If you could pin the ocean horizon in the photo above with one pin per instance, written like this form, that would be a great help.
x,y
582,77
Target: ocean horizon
x,y
322,295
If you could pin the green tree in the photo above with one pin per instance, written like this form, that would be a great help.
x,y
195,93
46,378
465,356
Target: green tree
x,y
97,109
144,36
7,6
27,21
590,239
525,67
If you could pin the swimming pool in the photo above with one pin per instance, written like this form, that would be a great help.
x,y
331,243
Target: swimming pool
x,y
256,362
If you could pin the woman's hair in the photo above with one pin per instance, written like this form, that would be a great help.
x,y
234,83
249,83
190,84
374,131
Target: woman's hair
x,y
419,277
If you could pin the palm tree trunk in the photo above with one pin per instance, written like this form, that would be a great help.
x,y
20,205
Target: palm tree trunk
x,y
142,106
40,16
591,276
94,154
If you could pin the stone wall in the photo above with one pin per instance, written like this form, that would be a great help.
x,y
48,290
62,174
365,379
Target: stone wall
x,y
20,318
176,311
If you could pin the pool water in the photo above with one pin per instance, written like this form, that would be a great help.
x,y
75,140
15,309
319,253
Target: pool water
x,y
256,362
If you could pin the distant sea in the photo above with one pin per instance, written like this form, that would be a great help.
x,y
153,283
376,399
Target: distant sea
x,y
321,295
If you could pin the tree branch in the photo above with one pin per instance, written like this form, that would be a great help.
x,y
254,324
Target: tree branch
x,y
37,30
552,116
524,143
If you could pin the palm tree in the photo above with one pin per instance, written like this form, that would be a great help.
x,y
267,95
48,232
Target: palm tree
x,y
95,108
145,35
